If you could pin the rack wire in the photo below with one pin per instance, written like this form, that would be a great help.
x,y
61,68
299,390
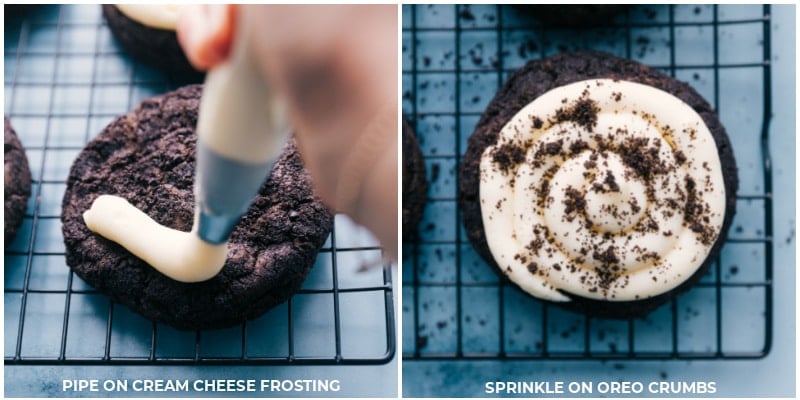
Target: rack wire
x,y
455,57
65,79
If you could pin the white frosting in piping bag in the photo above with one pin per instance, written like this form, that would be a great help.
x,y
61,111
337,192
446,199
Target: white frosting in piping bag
x,y
159,16
180,255
602,189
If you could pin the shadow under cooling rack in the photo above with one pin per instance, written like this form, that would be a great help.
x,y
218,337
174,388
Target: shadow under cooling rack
x,y
65,79
455,57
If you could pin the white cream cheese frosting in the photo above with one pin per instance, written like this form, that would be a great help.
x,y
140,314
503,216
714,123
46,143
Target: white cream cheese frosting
x,y
159,16
182,256
603,189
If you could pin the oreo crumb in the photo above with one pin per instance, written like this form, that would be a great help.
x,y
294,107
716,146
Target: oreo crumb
x,y
582,112
573,202
435,169
508,156
466,14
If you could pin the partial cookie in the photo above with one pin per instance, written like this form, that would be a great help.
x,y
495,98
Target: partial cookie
x,y
673,186
148,157
415,186
574,15
154,43
16,182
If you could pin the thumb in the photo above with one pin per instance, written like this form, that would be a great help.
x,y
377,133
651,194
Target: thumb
x,y
206,33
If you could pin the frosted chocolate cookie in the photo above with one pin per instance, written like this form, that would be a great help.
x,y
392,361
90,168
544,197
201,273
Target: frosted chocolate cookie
x,y
415,186
147,32
16,182
148,158
598,183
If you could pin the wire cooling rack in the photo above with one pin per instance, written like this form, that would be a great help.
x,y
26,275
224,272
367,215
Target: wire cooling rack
x,y
455,57
65,79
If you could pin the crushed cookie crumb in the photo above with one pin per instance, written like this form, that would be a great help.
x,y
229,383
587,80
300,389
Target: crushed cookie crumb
x,y
642,158
573,201
680,158
550,148
508,156
533,268
609,184
582,112
693,213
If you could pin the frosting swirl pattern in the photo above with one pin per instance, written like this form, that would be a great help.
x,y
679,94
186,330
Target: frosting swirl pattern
x,y
603,189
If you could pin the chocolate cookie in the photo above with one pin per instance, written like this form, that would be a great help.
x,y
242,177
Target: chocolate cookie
x,y
533,81
574,15
148,157
415,186
158,48
16,182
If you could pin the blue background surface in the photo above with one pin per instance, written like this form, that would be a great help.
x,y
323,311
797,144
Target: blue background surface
x,y
739,103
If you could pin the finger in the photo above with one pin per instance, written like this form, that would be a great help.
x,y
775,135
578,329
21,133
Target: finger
x,y
206,33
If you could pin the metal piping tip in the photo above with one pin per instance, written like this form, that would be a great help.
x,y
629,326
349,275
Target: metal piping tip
x,y
216,229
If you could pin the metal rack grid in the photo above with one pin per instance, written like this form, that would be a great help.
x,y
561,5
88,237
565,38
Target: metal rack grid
x,y
65,79
454,59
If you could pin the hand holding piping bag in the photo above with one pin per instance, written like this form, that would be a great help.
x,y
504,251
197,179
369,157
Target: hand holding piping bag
x,y
241,131
336,68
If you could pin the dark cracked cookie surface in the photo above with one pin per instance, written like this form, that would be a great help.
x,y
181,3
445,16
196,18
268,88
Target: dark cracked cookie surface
x,y
16,182
415,185
540,76
574,15
147,157
155,47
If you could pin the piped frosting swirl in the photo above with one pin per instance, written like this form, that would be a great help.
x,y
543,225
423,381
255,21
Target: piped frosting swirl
x,y
602,189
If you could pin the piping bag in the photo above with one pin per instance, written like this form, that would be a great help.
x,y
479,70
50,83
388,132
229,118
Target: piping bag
x,y
242,128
